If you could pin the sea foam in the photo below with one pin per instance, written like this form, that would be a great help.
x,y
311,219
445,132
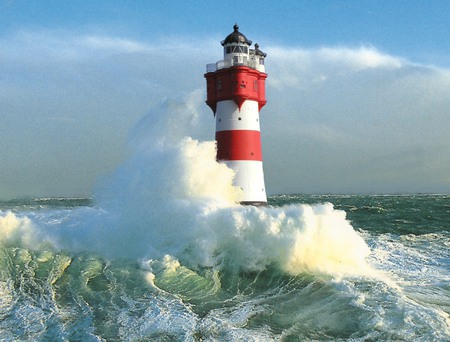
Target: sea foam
x,y
171,198
16,230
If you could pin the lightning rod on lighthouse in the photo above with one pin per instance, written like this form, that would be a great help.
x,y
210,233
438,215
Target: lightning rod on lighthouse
x,y
236,94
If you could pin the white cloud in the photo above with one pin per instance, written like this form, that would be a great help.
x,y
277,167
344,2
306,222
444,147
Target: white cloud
x,y
359,59
369,106
112,44
318,65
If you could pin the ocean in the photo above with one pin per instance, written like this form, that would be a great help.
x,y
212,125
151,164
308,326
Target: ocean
x,y
306,267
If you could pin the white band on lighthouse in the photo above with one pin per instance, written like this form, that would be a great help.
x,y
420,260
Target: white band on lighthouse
x,y
236,93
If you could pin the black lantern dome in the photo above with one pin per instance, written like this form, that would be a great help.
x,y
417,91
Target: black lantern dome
x,y
236,37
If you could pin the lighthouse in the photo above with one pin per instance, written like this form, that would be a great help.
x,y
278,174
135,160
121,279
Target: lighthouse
x,y
236,94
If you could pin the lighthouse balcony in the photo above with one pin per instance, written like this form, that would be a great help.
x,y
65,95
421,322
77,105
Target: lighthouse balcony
x,y
227,63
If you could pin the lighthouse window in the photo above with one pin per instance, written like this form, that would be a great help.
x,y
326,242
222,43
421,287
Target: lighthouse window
x,y
236,49
261,61
219,84
255,85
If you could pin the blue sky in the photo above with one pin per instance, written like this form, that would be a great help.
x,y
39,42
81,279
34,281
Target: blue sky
x,y
358,96
415,29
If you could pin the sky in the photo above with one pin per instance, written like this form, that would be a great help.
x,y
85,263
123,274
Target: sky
x,y
358,91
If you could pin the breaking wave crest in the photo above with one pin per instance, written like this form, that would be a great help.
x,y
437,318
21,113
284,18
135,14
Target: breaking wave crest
x,y
172,198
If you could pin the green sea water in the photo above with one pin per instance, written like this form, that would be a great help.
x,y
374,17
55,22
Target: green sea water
x,y
307,267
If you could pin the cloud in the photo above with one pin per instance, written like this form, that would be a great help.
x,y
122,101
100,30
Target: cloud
x,y
344,113
359,59
113,44
338,119
317,65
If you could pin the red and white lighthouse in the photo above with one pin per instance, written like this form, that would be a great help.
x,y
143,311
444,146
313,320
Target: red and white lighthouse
x,y
236,94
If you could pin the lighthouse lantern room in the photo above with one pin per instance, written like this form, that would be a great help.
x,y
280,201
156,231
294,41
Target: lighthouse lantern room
x,y
236,94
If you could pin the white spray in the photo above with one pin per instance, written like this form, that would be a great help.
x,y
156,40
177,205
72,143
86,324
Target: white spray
x,y
172,198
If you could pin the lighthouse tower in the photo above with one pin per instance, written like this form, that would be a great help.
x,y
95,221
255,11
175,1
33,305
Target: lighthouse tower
x,y
236,94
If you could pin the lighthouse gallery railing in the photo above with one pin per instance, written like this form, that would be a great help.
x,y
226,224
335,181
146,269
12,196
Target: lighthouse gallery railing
x,y
212,67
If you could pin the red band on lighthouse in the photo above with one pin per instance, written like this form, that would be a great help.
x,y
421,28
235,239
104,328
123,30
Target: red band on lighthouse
x,y
239,145
239,83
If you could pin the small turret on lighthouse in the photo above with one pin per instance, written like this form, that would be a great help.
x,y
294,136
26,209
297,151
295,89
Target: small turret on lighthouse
x,y
236,94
